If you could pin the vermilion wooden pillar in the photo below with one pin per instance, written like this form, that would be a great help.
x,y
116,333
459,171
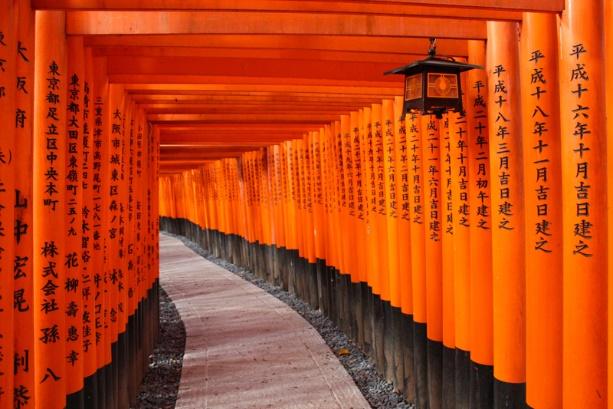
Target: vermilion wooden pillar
x,y
49,203
542,186
389,181
8,165
321,196
73,219
113,230
461,186
448,267
480,391
508,214
379,114
23,306
383,134
308,181
88,288
357,119
583,147
418,256
608,17
371,201
403,239
431,153
343,139
375,146
99,219
403,249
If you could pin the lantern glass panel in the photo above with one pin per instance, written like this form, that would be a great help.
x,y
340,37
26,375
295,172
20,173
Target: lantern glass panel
x,y
412,87
441,85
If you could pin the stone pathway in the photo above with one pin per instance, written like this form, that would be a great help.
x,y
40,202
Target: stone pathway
x,y
245,348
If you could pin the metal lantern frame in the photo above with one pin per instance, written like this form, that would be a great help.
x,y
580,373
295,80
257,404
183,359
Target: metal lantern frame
x,y
421,79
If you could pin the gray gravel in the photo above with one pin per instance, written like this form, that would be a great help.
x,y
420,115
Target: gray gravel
x,y
160,386
377,391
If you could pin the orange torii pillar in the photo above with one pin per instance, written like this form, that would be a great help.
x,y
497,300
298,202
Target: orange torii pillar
x,y
113,266
370,240
311,259
8,165
73,222
396,273
381,282
50,84
23,306
363,291
448,257
480,392
583,147
418,256
391,304
430,144
507,216
321,231
349,266
358,286
87,270
608,16
461,179
403,245
99,219
542,186
291,212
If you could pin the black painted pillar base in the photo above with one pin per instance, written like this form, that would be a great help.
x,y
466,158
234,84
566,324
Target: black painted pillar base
x,y
448,390
90,392
481,386
407,337
378,331
462,379
509,395
367,320
420,354
435,374
388,342
76,400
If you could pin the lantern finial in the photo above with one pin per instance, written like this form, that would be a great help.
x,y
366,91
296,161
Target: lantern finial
x,y
432,49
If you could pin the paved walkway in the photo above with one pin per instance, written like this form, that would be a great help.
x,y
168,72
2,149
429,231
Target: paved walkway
x,y
245,348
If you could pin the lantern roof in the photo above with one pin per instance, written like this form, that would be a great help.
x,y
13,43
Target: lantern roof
x,y
433,63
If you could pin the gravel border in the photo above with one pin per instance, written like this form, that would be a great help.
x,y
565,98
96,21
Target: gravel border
x,y
377,391
160,387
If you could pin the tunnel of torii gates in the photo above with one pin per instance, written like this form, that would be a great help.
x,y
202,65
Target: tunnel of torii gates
x,y
467,256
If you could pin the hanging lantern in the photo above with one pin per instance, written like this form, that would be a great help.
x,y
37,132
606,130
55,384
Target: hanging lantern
x,y
433,86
